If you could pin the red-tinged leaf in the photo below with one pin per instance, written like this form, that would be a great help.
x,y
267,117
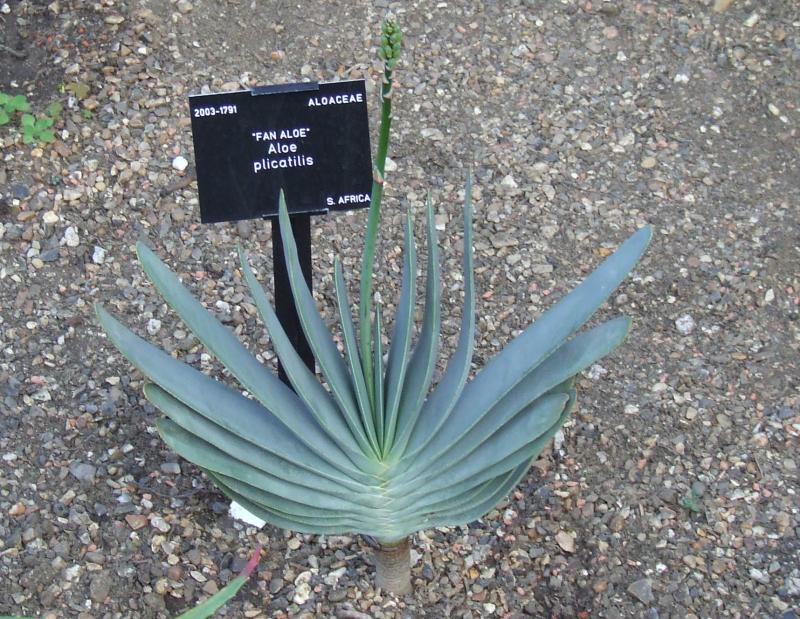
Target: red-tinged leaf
x,y
223,596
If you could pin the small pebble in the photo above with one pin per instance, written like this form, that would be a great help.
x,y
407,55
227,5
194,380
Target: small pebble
x,y
642,590
685,324
71,238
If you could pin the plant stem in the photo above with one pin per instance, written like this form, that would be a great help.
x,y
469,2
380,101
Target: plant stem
x,y
368,261
393,566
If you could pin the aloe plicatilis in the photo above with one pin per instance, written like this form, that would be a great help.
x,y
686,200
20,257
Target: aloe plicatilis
x,y
375,451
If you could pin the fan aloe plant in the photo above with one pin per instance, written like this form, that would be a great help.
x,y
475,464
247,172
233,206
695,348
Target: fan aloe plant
x,y
373,449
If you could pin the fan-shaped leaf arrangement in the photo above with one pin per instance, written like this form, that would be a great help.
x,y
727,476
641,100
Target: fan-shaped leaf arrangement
x,y
373,449
382,457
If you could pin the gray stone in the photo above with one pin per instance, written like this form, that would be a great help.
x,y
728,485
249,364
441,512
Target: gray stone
x,y
642,590
99,587
49,255
83,472
685,324
171,468
20,190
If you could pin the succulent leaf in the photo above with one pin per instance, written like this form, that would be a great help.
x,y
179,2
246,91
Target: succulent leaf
x,y
351,351
528,350
254,455
440,403
191,447
320,340
301,441
221,341
377,363
423,358
397,364
464,433
317,399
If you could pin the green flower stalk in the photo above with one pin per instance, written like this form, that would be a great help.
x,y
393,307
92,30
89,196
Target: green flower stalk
x,y
389,52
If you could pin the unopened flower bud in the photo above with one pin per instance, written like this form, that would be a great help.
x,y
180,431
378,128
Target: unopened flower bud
x,y
391,42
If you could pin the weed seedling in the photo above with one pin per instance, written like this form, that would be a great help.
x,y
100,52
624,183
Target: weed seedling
x,y
691,501
10,104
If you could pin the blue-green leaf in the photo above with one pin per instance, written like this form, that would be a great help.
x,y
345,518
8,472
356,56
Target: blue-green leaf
x,y
352,354
300,440
306,385
397,364
470,427
520,431
260,456
524,354
257,379
377,368
440,403
423,359
195,449
319,338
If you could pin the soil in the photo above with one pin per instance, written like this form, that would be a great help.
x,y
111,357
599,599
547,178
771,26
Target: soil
x,y
673,490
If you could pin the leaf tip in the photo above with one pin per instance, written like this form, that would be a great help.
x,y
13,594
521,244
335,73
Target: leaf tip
x,y
251,564
103,315
143,251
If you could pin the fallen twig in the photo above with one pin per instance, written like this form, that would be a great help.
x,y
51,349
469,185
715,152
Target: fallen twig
x,y
13,52
182,182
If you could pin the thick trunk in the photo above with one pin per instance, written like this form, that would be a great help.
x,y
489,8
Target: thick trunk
x,y
393,566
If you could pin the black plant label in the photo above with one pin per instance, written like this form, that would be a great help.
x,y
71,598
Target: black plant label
x,y
309,139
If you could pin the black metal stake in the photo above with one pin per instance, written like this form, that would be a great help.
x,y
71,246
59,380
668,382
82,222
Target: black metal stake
x,y
284,301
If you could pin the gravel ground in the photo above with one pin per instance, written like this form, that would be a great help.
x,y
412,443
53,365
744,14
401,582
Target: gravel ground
x,y
673,492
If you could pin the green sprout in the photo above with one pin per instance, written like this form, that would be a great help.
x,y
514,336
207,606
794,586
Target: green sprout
x,y
54,110
210,606
389,52
34,128
691,502
37,129
10,104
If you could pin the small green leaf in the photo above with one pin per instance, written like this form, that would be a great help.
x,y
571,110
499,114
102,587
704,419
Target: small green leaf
x,y
54,109
79,89
28,120
691,502
4,119
4,99
27,138
47,136
43,123
223,596
19,103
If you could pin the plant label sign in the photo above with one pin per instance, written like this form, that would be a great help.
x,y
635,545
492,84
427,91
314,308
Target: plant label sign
x,y
309,139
